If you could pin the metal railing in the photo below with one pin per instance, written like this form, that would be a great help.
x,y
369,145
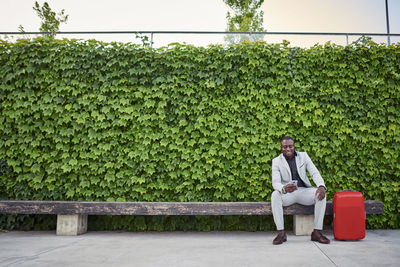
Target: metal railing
x,y
264,34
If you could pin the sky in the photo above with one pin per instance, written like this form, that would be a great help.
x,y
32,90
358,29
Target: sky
x,y
208,15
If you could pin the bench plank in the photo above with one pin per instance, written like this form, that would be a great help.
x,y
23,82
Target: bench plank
x,y
163,208
135,208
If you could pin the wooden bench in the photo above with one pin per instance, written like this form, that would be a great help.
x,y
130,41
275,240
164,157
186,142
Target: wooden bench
x,y
72,215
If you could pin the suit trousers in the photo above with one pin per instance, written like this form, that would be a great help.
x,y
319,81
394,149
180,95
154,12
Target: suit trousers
x,y
304,196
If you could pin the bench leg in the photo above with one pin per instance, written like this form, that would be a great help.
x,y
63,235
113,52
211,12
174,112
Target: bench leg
x,y
71,224
303,224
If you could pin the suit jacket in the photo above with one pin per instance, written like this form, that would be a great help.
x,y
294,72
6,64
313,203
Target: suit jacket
x,y
281,174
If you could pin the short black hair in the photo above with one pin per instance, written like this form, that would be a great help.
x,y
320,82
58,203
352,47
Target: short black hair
x,y
286,138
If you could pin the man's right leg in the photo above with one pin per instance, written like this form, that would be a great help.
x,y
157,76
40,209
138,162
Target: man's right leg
x,y
277,203
277,209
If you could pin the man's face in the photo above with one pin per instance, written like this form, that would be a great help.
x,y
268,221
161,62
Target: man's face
x,y
287,147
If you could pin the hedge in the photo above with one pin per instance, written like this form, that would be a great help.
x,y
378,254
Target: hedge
x,y
86,120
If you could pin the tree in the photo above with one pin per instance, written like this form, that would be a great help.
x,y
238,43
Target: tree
x,y
245,18
50,20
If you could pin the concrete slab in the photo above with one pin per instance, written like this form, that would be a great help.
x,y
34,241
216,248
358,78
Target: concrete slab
x,y
379,248
38,248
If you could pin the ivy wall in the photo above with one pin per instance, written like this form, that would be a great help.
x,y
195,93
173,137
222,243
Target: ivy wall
x,y
85,120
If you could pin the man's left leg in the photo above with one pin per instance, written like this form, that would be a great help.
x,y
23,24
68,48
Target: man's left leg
x,y
306,196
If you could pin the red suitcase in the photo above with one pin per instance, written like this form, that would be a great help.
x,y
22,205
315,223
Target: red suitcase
x,y
348,215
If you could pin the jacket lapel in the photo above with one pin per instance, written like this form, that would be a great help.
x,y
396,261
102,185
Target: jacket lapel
x,y
298,165
286,166
298,162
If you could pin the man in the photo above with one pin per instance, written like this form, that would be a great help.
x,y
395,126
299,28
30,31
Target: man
x,y
291,166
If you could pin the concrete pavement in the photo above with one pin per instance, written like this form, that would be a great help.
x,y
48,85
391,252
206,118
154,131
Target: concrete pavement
x,y
43,248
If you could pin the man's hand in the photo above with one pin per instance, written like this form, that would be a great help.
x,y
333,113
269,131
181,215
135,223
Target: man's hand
x,y
320,193
289,188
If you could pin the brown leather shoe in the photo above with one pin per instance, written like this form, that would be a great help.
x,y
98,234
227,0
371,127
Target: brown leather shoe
x,y
317,236
280,238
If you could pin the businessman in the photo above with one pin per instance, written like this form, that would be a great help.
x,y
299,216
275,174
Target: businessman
x,y
292,166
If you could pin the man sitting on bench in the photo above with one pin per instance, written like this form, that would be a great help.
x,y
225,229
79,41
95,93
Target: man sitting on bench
x,y
293,186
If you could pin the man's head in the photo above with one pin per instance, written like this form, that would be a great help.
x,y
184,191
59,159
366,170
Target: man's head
x,y
287,146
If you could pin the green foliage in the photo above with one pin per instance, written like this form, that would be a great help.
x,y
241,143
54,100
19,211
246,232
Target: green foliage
x,y
181,223
86,120
245,18
28,222
144,39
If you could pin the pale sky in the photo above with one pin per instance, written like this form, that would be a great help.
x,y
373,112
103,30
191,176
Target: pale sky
x,y
208,15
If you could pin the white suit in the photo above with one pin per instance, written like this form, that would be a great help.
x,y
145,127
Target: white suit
x,y
281,176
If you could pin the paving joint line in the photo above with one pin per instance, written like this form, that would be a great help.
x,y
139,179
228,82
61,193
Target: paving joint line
x,y
315,243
